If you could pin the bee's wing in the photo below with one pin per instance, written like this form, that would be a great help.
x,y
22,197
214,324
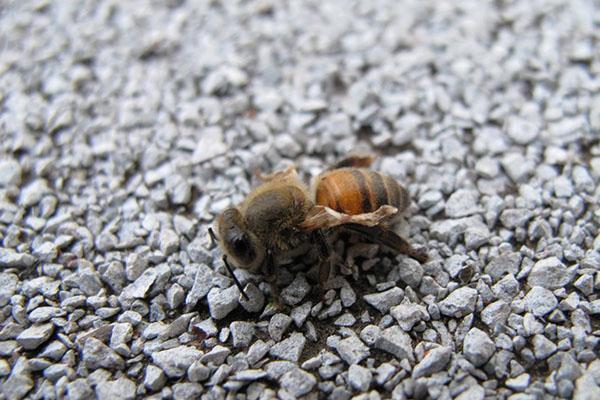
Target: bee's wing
x,y
386,237
357,161
321,217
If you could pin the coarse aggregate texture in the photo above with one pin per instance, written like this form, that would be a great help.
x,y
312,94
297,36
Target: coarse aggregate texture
x,y
127,126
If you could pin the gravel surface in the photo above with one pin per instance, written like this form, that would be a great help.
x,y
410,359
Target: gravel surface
x,y
125,127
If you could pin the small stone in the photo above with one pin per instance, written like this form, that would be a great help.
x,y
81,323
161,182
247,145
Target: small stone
x,y
462,203
187,390
296,291
216,356
411,272
585,284
297,382
409,314
521,130
478,348
352,350
79,389
520,383
175,362
289,349
8,286
168,241
549,273
256,299
154,378
31,338
43,314
96,354
10,173
348,296
257,351
540,301
203,282
359,377
459,303
515,217
278,325
506,288
222,301
384,300
543,347
121,388
198,372
435,361
396,342
495,313
19,382
503,264
11,259
242,333
345,319
250,375
139,288
300,313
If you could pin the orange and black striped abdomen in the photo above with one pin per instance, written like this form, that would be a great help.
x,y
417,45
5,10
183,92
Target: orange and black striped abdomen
x,y
357,191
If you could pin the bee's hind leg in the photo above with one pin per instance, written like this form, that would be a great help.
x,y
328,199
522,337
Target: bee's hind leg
x,y
325,259
271,277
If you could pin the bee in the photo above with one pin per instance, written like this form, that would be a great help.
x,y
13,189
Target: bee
x,y
281,214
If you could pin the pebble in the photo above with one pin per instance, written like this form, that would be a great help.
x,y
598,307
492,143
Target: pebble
x,y
155,378
540,301
10,173
242,333
289,349
256,299
408,314
11,259
34,336
222,301
96,354
396,342
459,302
297,382
278,324
411,272
462,203
121,388
384,300
543,347
352,350
175,362
519,383
478,347
549,273
202,284
359,377
503,264
434,361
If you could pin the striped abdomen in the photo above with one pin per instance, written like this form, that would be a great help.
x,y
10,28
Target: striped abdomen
x,y
356,191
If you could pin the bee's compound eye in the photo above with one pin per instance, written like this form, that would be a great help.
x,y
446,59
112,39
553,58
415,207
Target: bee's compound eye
x,y
241,246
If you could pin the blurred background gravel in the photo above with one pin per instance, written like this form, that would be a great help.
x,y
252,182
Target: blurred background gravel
x,y
125,127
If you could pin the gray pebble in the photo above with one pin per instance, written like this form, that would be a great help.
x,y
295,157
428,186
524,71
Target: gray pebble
x,y
175,362
359,377
462,203
549,273
34,336
278,325
121,388
256,298
289,349
478,347
242,333
384,300
396,342
296,291
459,303
154,378
408,314
352,350
540,301
435,361
297,382
543,347
222,301
11,259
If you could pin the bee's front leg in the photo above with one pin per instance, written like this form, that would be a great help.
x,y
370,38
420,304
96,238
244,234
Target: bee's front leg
x,y
271,277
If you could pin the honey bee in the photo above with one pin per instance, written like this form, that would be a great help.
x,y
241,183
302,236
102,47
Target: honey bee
x,y
281,214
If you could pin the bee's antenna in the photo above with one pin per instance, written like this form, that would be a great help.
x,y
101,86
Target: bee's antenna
x,y
235,279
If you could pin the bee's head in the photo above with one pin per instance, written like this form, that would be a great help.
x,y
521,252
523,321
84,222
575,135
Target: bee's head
x,y
238,242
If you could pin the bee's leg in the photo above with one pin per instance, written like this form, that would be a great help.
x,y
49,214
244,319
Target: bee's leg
x,y
271,277
388,238
213,237
357,161
235,279
324,258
